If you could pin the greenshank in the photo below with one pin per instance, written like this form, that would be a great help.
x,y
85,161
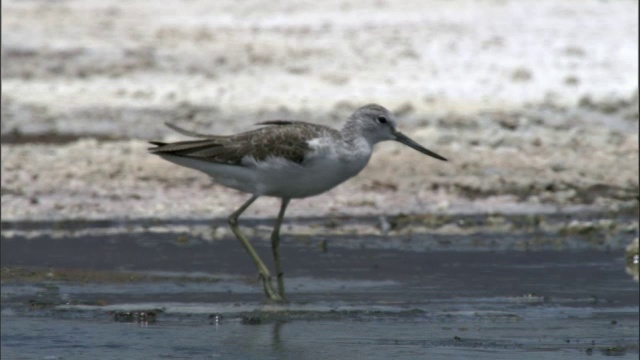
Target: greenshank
x,y
288,160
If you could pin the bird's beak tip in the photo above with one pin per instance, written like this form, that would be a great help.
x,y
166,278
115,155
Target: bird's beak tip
x,y
402,138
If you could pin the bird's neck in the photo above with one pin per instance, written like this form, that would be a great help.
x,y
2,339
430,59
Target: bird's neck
x,y
355,145
352,133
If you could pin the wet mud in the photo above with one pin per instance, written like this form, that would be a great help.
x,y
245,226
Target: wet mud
x,y
150,294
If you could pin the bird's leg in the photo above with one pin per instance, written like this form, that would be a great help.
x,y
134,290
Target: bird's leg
x,y
265,275
275,247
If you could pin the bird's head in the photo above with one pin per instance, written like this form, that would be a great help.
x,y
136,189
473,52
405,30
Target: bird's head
x,y
375,123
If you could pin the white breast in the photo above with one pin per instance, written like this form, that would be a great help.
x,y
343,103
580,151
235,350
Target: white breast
x,y
325,167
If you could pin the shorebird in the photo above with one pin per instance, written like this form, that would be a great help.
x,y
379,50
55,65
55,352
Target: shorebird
x,y
288,160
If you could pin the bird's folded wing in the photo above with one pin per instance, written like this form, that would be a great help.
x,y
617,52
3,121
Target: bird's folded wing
x,y
288,142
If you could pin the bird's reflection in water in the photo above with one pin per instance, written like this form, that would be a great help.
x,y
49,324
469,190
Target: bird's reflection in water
x,y
277,344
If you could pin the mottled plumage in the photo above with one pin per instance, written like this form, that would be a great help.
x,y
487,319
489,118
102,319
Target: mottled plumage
x,y
285,139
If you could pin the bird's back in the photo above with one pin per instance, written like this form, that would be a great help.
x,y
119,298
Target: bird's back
x,y
280,139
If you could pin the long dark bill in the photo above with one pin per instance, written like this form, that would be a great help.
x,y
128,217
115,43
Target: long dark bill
x,y
400,137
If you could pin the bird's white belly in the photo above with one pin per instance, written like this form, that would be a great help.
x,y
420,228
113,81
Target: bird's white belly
x,y
278,177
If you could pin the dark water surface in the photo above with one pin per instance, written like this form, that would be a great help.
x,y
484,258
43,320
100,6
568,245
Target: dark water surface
x,y
159,295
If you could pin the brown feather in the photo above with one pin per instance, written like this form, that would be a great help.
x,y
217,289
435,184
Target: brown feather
x,y
284,139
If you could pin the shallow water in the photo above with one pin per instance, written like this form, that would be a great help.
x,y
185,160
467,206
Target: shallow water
x,y
155,295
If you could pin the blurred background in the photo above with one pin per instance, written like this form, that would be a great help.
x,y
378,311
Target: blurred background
x,y
535,103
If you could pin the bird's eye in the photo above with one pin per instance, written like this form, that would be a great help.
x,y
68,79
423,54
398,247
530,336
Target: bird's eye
x,y
381,120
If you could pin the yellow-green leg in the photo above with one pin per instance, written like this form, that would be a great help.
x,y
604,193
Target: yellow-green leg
x,y
265,275
275,247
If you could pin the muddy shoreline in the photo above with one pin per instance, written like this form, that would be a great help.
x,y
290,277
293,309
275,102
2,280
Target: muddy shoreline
x,y
384,298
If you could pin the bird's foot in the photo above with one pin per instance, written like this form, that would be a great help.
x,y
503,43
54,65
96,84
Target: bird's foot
x,y
270,292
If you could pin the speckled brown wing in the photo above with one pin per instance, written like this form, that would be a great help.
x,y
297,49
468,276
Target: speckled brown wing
x,y
284,139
